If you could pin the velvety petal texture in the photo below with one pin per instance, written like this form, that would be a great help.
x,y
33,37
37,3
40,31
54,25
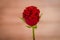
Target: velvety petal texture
x,y
31,15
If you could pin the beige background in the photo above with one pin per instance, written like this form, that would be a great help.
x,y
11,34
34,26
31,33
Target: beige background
x,y
13,28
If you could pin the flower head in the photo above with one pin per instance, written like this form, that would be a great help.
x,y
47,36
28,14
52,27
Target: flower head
x,y
31,15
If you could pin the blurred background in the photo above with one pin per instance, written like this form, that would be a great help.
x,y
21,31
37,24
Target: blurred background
x,y
13,28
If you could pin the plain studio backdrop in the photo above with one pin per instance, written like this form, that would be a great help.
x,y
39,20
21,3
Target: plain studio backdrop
x,y
13,28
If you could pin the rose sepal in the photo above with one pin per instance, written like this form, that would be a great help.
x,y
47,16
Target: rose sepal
x,y
35,26
22,19
41,15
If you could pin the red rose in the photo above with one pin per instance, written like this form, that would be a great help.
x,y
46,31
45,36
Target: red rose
x,y
31,15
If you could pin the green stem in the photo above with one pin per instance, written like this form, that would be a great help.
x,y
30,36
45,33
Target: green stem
x,y
33,33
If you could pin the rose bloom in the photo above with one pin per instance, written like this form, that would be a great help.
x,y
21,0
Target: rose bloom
x,y
31,15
